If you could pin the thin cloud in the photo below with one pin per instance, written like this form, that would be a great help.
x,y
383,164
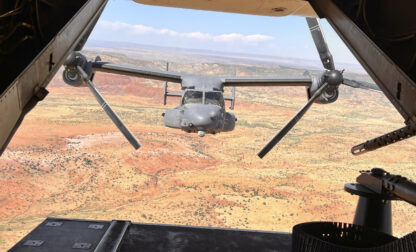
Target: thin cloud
x,y
221,38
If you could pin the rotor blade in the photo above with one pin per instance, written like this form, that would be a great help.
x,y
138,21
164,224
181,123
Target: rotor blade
x,y
360,84
268,81
136,71
292,122
320,43
113,116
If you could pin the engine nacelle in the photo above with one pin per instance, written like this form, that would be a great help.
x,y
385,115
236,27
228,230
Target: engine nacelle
x,y
173,118
229,122
70,74
330,95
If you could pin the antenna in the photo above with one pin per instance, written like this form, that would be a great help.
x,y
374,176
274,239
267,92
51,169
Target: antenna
x,y
165,91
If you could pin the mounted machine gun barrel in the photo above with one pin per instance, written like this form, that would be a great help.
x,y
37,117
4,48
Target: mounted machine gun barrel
x,y
377,188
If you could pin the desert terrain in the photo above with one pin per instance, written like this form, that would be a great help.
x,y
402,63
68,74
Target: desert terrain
x,y
69,160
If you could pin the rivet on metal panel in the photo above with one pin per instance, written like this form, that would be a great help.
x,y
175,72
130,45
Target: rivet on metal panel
x,y
33,243
96,226
81,245
53,224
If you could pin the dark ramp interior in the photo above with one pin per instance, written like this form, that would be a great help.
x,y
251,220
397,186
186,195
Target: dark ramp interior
x,y
26,27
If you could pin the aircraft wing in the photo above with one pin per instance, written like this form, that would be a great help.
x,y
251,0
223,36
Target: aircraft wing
x,y
274,81
277,81
253,7
135,71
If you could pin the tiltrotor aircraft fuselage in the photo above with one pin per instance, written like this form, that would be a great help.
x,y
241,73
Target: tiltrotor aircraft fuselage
x,y
201,111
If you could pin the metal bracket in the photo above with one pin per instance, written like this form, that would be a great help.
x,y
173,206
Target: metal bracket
x,y
81,245
33,243
96,226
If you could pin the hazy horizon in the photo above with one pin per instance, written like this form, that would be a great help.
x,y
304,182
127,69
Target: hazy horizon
x,y
289,36
260,58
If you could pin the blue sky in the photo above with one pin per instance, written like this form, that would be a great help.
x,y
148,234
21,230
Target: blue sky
x,y
127,21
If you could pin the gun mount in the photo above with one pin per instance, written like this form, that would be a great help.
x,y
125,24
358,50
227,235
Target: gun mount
x,y
377,188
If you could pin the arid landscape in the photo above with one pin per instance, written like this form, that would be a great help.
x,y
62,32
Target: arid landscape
x,y
69,160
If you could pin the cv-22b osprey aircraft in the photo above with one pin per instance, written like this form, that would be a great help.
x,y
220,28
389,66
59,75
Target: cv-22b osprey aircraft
x,y
202,107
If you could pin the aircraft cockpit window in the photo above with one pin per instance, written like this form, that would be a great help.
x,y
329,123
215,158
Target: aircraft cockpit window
x,y
192,97
214,98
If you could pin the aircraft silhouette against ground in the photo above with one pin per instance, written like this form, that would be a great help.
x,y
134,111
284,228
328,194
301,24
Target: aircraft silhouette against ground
x,y
202,107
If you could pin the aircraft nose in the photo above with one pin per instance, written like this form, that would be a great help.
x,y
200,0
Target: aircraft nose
x,y
214,114
206,117
204,120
